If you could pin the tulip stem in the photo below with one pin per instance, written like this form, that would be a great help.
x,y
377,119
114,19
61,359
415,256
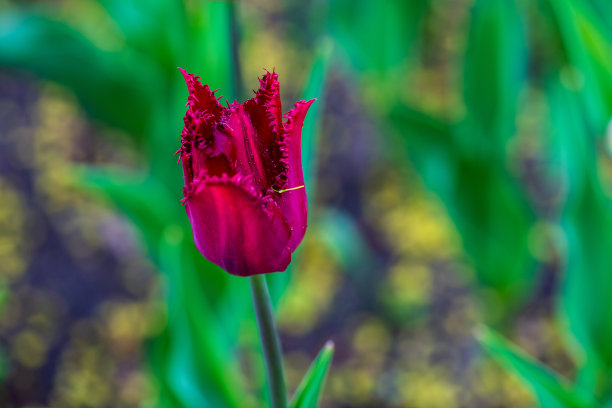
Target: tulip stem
x,y
270,342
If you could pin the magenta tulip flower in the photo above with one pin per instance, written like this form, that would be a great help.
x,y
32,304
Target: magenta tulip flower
x,y
244,187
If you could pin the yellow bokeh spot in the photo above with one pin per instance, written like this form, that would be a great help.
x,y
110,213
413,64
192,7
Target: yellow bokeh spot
x,y
14,244
428,388
312,288
408,285
414,223
29,349
372,337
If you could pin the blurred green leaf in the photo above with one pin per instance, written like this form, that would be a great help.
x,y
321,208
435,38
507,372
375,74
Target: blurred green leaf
x,y
494,220
314,88
132,192
199,353
428,142
551,390
309,391
210,47
495,65
465,164
343,236
139,21
202,368
587,222
491,211
112,86
158,349
484,201
588,53
377,36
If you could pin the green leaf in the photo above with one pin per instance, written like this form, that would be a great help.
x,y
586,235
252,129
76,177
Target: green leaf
x,y
211,42
495,65
342,235
429,144
309,391
377,47
551,390
587,50
133,192
157,349
201,369
587,224
485,202
465,164
139,20
112,85
315,88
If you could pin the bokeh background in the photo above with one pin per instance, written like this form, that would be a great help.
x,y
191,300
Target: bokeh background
x,y
459,173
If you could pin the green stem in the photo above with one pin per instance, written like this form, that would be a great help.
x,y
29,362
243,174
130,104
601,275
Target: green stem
x,y
270,342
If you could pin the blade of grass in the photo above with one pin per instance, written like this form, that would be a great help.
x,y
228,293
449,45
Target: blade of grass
x,y
551,390
309,391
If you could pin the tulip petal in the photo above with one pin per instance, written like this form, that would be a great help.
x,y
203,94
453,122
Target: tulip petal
x,y
238,229
266,115
214,158
201,98
200,119
266,105
293,203
251,155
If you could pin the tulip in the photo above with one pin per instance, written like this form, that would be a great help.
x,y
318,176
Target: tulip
x,y
244,187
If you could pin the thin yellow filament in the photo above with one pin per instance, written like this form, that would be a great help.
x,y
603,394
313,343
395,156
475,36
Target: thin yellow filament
x,y
287,189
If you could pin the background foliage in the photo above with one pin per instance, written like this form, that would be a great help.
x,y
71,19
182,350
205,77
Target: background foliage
x,y
458,169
